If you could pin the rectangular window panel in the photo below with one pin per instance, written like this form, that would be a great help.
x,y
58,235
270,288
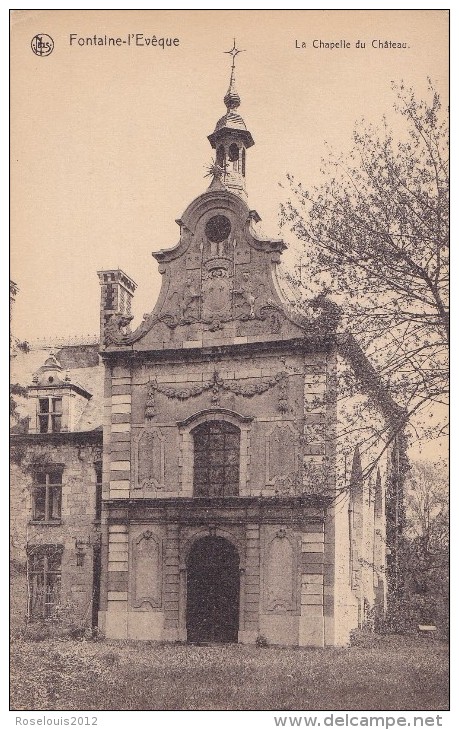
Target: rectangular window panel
x,y
52,593
201,443
201,489
218,457
232,441
217,474
215,490
54,561
217,441
36,595
43,423
44,405
37,563
200,475
57,405
56,423
200,459
232,474
44,577
55,499
39,504
231,490
47,496
232,458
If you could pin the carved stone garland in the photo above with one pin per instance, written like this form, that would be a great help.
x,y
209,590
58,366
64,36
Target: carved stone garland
x,y
215,384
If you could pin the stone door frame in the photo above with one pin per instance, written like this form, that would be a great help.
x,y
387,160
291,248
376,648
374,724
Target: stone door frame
x,y
184,553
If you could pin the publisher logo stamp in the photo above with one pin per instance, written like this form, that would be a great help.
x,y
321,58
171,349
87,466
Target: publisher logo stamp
x,y
42,44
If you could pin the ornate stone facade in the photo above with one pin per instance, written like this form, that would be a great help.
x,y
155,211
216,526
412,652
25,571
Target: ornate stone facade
x,y
220,438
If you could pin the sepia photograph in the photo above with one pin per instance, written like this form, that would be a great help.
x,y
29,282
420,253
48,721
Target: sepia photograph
x,y
229,379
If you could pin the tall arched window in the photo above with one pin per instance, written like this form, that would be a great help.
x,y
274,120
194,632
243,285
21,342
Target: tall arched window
x,y
233,155
221,156
216,459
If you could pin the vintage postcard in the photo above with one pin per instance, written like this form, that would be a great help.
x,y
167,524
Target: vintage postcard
x,y
229,363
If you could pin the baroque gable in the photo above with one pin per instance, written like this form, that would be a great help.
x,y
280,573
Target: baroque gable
x,y
220,278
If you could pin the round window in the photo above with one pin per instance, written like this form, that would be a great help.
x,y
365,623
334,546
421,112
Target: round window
x,y
218,228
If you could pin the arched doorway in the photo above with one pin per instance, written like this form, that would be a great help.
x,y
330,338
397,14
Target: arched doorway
x,y
212,591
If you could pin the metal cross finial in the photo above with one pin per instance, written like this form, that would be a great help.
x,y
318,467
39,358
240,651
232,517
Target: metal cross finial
x,y
234,51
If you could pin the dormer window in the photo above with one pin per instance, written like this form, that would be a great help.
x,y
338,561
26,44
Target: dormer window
x,y
56,403
50,415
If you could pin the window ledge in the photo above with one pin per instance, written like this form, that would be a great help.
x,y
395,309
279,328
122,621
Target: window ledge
x,y
46,523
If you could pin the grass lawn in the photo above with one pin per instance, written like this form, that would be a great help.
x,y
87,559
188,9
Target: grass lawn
x,y
396,673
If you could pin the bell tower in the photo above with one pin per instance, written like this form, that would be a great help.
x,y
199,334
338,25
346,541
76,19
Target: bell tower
x,y
230,139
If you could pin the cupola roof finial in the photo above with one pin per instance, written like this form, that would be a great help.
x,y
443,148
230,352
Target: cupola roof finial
x,y
231,121
232,99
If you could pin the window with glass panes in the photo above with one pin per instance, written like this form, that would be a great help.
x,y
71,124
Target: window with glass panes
x,y
50,415
44,578
47,496
216,459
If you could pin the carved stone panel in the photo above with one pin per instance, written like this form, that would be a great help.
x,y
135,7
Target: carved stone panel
x,y
281,453
190,299
242,253
149,460
216,294
193,258
280,574
147,571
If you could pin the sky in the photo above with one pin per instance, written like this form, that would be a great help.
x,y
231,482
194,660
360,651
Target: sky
x,y
109,144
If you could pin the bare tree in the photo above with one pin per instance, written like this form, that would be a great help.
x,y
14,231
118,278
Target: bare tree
x,y
374,236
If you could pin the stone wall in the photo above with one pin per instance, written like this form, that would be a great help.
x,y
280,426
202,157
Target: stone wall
x,y
361,472
284,406
284,568
77,524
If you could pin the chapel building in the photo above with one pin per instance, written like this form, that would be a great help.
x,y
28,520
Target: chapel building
x,y
211,507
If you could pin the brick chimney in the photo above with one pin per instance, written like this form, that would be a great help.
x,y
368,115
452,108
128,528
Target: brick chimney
x,y
117,291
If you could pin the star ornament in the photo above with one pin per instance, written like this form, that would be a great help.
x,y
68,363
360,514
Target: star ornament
x,y
215,170
234,51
